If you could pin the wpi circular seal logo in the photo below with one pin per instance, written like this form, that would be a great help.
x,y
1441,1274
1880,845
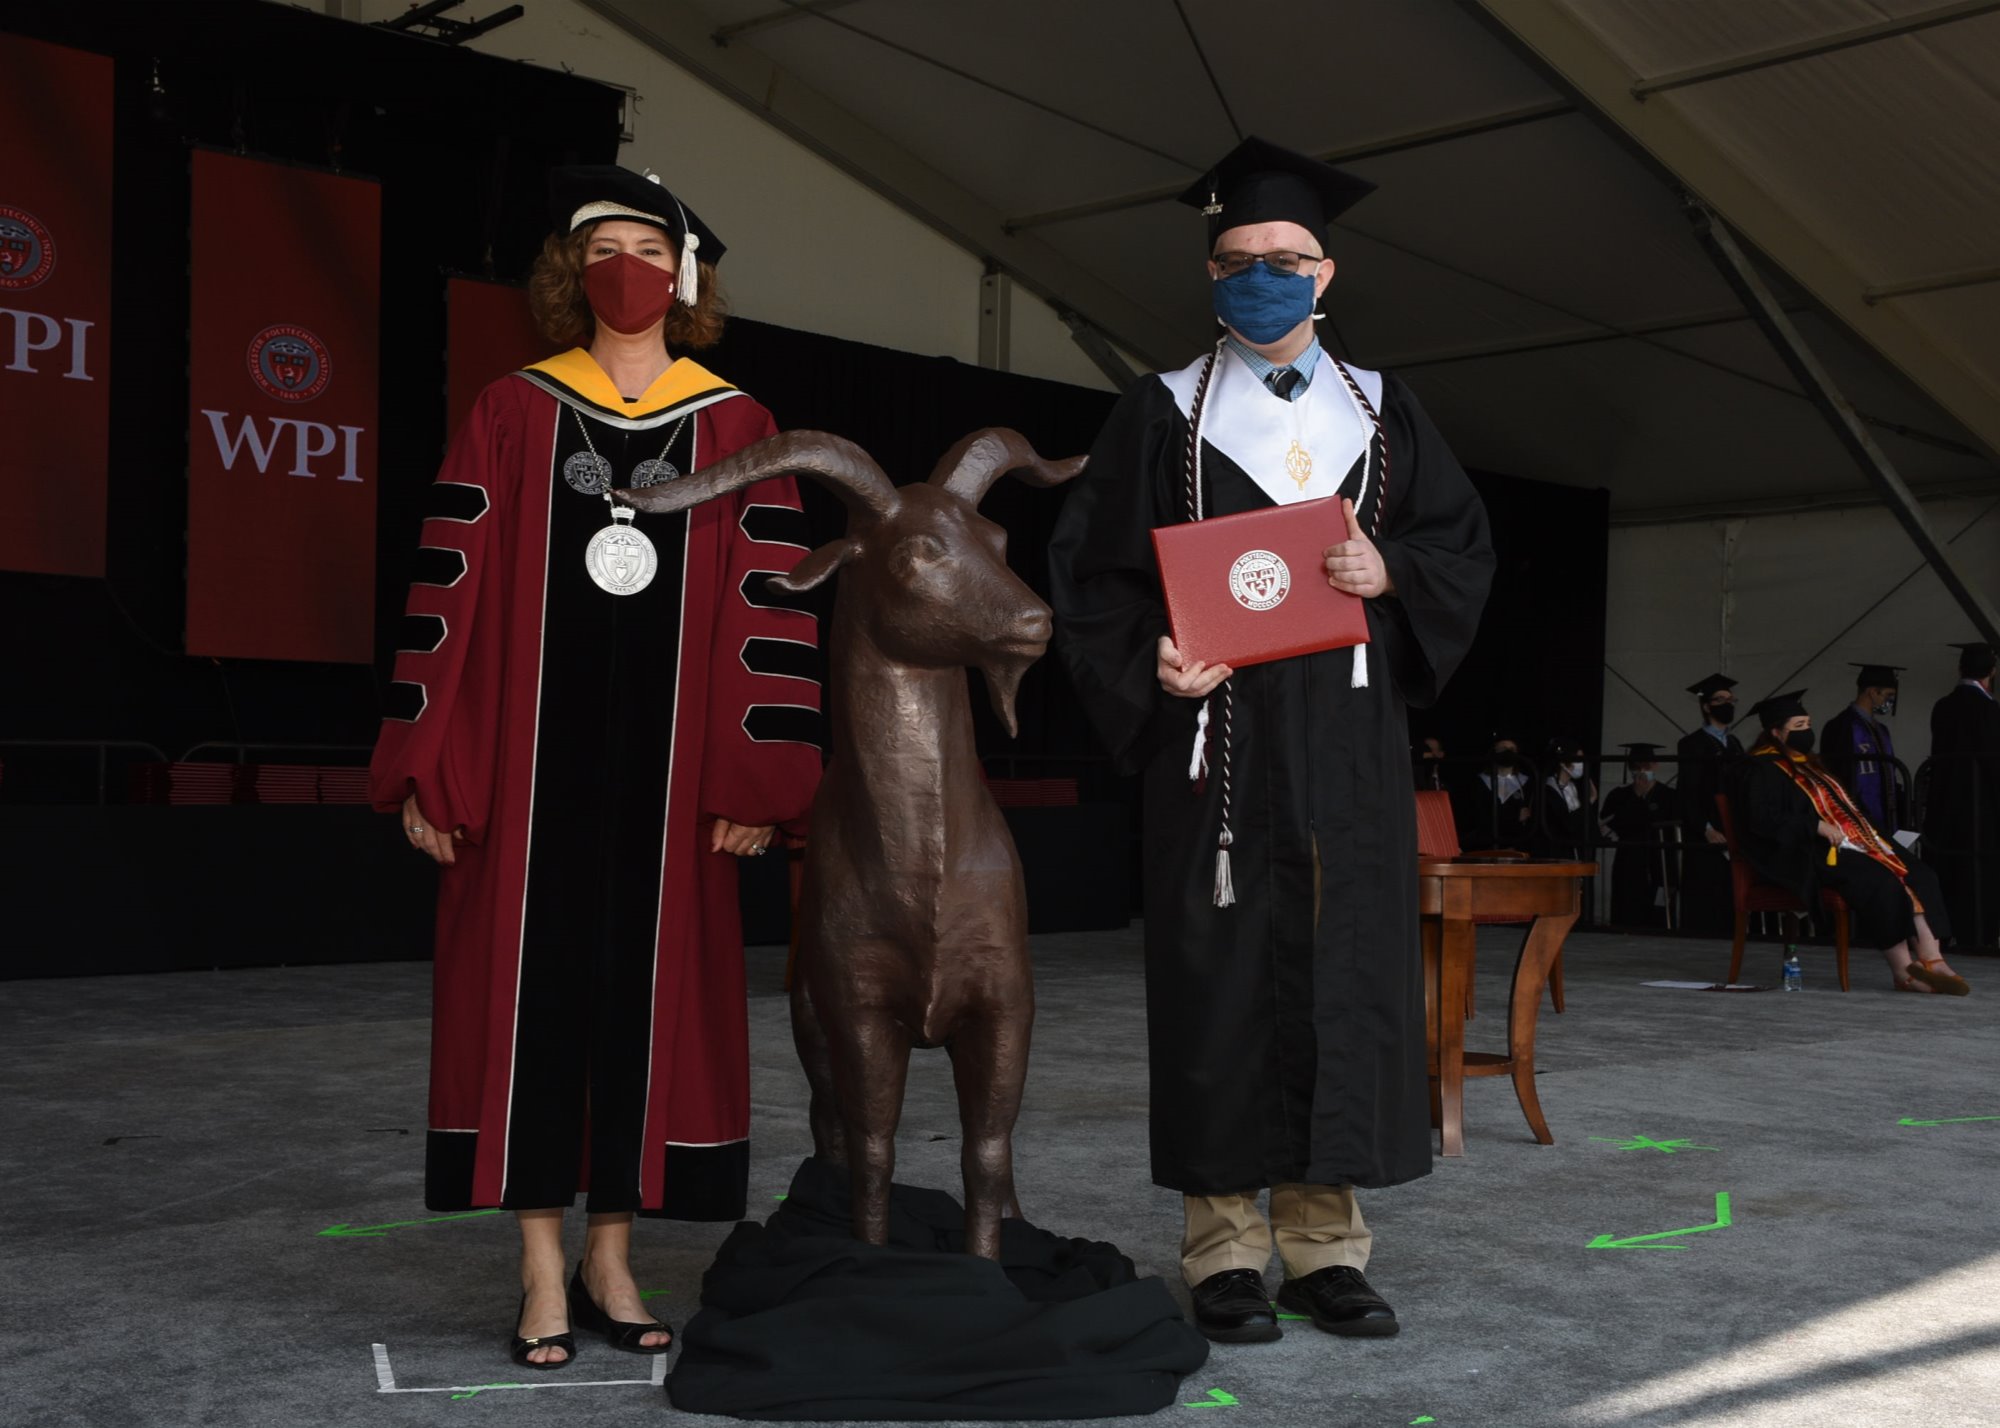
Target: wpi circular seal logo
x,y
1259,580
27,251
289,363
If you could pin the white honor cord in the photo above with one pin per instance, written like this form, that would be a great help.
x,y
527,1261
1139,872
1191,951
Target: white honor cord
x,y
1359,679
1198,761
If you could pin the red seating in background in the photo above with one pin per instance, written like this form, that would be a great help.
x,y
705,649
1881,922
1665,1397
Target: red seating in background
x,y
1033,792
1753,894
1437,837
198,782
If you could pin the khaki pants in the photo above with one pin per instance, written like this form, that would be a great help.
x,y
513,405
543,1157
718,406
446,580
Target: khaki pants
x,y
1312,1226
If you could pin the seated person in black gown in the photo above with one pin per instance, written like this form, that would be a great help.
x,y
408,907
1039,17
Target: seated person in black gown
x,y
1800,829
1493,806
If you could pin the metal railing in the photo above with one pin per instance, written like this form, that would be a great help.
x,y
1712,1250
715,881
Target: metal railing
x,y
101,747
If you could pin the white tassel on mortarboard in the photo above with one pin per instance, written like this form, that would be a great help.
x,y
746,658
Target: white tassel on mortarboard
x,y
688,286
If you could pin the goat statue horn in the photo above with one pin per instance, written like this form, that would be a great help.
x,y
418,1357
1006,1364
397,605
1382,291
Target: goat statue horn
x,y
971,467
833,460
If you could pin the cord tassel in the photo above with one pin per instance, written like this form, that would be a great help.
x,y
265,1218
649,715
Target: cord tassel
x,y
1225,885
690,270
1360,678
1198,761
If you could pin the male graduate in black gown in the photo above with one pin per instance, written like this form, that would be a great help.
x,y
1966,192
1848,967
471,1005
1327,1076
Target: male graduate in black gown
x,y
1856,748
1285,1002
1962,818
1494,807
1707,904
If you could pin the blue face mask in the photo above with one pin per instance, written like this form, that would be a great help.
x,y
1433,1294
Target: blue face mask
x,y
1262,305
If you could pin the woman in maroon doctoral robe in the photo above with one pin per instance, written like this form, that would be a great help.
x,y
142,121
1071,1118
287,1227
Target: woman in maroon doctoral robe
x,y
592,715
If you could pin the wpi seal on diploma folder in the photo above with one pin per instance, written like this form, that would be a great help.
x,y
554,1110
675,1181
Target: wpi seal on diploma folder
x,y
1250,588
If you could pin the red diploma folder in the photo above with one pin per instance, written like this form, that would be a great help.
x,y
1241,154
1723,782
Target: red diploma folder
x,y
1250,588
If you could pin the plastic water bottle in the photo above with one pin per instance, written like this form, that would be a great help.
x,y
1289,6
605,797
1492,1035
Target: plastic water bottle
x,y
1795,979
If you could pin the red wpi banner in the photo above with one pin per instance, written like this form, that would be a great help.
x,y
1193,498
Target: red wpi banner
x,y
282,396
489,332
55,306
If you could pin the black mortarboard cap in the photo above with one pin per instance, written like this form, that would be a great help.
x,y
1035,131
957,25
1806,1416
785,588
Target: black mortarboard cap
x,y
1778,708
1712,685
1259,182
1975,659
1640,753
1877,676
588,193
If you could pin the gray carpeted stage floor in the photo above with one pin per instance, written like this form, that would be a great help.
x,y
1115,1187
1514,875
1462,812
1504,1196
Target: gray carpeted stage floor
x,y
174,1147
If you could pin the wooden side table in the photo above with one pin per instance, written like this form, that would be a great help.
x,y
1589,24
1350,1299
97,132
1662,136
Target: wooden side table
x,y
1450,895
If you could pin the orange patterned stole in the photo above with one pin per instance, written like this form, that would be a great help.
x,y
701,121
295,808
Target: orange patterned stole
x,y
1833,805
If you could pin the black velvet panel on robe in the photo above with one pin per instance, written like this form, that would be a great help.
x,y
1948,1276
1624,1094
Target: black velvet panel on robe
x,y
1286,1031
802,1322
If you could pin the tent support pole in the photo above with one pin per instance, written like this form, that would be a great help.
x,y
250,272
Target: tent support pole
x,y
1764,309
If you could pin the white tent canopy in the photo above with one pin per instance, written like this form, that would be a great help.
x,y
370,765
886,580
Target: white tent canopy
x,y
1524,264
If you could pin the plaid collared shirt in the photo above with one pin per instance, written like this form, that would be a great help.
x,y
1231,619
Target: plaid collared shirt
x,y
1267,370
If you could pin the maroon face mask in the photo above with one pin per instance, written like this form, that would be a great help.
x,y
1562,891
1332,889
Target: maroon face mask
x,y
627,293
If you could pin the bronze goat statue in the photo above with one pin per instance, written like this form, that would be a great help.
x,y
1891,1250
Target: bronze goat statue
x,y
914,914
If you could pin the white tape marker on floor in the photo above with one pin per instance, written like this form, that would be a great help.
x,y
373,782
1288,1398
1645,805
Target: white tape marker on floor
x,y
385,1380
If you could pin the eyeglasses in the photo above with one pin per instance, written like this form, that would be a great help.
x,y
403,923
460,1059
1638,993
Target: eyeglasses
x,y
1279,261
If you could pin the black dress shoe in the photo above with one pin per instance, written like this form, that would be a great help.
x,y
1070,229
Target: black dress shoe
x,y
1339,1300
1232,1308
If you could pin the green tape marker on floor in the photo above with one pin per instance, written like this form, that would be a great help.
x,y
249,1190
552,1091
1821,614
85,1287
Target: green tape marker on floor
x,y
1302,1318
646,1294
1425,1419
478,1389
364,1232
1646,1142
1217,1398
1721,1222
1947,1121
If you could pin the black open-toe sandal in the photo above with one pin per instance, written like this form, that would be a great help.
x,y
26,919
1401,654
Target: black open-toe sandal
x,y
619,1334
566,1341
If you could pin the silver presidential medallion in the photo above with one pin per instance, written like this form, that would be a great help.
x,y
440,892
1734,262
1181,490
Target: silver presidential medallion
x,y
620,558
588,472
653,472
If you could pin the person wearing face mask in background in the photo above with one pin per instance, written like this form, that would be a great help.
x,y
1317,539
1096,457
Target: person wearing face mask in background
x,y
1427,759
1569,804
1495,806
1800,829
1707,903
1284,986
1856,748
1632,816
592,716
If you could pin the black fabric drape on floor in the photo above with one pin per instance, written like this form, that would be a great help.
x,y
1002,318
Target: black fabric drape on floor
x,y
802,1322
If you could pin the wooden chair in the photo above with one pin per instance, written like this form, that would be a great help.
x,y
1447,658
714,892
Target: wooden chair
x,y
1437,837
1753,894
